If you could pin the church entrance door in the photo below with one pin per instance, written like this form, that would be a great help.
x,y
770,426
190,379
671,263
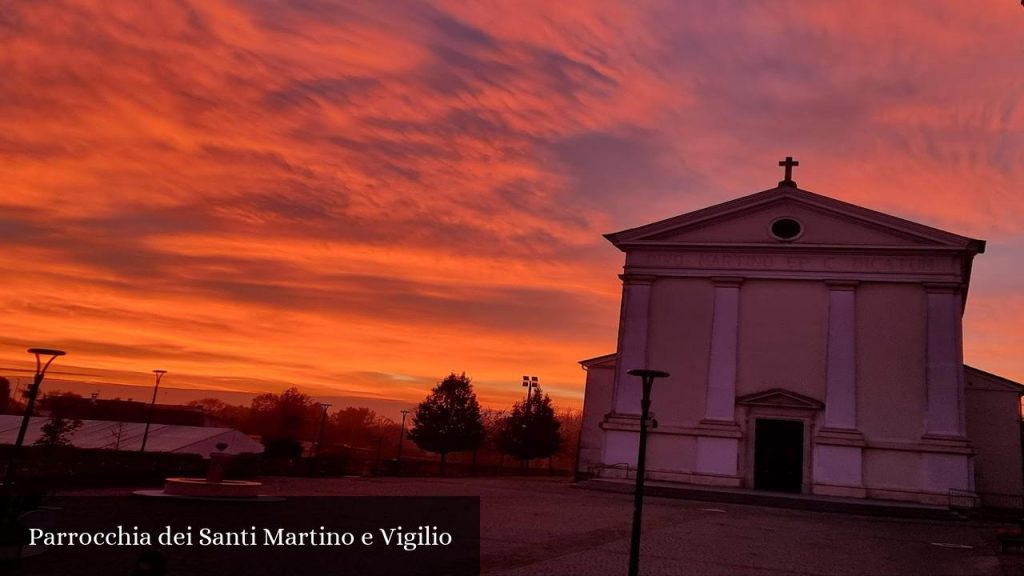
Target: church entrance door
x,y
778,455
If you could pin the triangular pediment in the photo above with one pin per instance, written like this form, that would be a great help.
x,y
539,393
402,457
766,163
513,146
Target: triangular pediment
x,y
779,398
821,222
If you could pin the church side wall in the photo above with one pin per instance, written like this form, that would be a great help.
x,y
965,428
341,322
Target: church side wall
x,y
993,424
782,337
597,402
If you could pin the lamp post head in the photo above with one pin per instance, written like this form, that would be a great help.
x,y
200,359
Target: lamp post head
x,y
404,412
325,406
41,366
46,352
645,373
647,378
159,376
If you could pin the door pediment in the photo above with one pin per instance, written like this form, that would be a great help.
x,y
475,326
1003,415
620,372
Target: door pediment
x,y
780,398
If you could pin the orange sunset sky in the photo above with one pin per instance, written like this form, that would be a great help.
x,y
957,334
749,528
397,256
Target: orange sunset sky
x,y
359,197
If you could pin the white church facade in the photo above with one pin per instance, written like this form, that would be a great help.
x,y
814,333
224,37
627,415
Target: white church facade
x,y
813,346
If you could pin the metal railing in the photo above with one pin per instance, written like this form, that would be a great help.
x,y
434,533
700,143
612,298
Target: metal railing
x,y
967,500
597,470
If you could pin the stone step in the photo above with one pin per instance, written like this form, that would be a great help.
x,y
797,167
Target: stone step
x,y
776,499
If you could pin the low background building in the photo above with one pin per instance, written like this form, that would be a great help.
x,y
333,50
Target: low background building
x,y
127,436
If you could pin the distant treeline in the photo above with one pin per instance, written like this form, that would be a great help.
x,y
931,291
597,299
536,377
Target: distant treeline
x,y
292,424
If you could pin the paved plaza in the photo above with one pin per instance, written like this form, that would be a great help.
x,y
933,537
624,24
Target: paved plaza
x,y
548,526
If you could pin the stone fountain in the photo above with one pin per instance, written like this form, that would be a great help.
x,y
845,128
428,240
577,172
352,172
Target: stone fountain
x,y
214,486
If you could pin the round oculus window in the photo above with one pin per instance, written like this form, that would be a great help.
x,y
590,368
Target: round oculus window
x,y
786,229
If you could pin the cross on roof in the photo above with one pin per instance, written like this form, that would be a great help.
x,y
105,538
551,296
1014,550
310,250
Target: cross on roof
x,y
788,163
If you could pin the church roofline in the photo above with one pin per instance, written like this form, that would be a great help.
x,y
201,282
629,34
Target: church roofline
x,y
598,360
639,235
1010,384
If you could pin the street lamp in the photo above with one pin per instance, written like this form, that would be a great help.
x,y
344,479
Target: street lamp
x,y
31,393
323,421
152,406
401,436
647,377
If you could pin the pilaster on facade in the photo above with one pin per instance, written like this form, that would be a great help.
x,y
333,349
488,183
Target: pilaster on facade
x,y
720,404
944,365
841,358
633,334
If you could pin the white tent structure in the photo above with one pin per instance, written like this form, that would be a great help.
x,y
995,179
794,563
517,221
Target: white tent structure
x,y
127,436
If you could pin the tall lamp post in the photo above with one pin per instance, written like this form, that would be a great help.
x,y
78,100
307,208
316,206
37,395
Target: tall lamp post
x,y
647,377
529,382
323,421
152,406
401,437
31,393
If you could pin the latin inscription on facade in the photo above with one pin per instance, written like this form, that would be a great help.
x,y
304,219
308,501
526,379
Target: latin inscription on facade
x,y
810,263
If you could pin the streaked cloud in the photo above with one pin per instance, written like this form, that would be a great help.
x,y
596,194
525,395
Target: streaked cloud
x,y
362,196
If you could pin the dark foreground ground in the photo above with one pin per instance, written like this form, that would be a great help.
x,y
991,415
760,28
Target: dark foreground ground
x,y
549,527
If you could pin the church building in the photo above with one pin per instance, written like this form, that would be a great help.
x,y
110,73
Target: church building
x,y
813,346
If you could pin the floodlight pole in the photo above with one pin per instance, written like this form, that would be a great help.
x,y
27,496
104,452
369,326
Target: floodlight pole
x,y
320,436
31,394
529,382
647,377
152,406
401,437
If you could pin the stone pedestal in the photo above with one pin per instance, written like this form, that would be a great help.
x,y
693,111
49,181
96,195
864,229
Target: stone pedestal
x,y
218,467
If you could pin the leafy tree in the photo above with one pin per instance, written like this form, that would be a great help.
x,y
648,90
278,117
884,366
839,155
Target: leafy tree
x,y
281,447
63,422
232,415
58,431
65,403
209,405
357,427
282,420
287,415
531,429
449,419
493,421
572,425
